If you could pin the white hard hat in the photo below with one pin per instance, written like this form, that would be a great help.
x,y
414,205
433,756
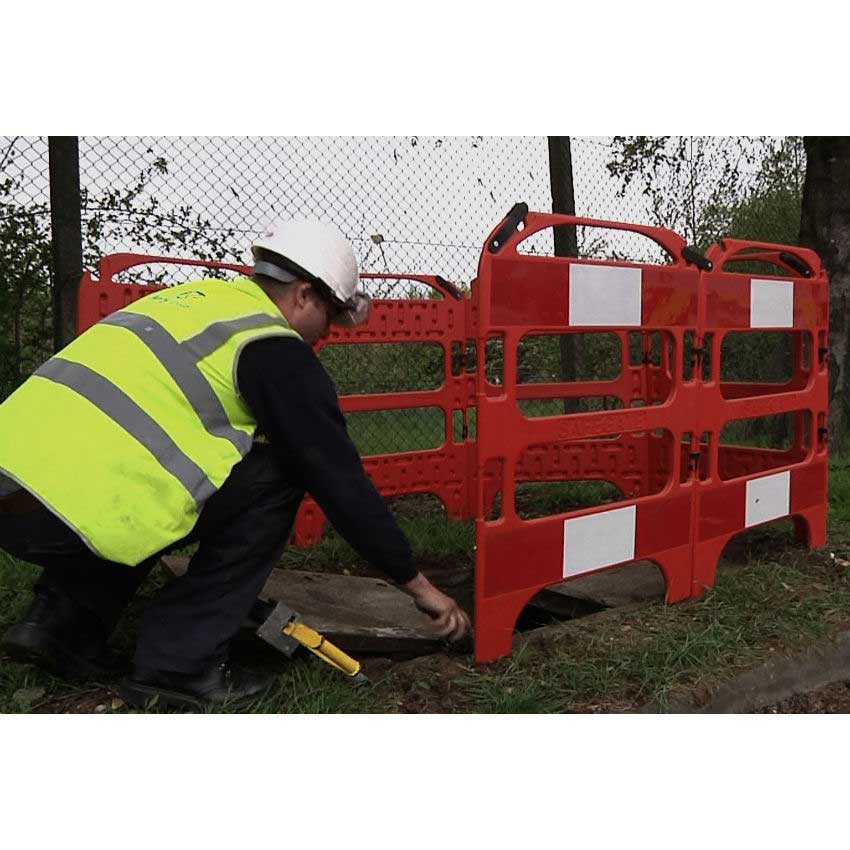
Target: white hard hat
x,y
316,252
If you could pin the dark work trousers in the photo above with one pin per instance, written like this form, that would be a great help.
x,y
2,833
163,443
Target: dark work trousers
x,y
241,533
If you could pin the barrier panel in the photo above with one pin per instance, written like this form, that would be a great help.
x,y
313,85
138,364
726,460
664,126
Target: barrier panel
x,y
441,470
742,486
98,297
634,447
657,435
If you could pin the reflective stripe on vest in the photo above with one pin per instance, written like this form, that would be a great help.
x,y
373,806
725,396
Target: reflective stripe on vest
x,y
181,362
125,413
211,338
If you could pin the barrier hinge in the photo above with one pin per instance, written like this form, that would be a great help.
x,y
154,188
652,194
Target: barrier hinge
x,y
694,456
695,450
698,352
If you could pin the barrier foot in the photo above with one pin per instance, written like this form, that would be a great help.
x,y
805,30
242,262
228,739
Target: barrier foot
x,y
706,556
309,524
675,566
810,528
495,619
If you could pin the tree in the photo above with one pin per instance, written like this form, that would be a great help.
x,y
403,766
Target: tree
x,y
707,188
66,236
825,227
566,245
770,208
693,184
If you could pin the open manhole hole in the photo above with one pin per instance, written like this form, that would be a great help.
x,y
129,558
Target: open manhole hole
x,y
549,607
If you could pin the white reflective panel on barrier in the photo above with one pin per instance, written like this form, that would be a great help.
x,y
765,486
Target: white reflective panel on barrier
x,y
605,296
599,540
771,303
768,498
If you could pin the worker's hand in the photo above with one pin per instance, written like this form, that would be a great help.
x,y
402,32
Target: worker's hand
x,y
450,620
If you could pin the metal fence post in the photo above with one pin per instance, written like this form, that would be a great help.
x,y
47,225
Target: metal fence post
x,y
66,235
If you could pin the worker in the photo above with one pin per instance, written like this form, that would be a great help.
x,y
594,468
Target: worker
x,y
139,438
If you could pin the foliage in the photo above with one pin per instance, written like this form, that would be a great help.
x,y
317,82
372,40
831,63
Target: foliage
x,y
136,217
25,287
839,491
127,216
707,187
771,210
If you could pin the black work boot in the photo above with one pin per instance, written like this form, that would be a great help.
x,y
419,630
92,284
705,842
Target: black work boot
x,y
63,639
219,684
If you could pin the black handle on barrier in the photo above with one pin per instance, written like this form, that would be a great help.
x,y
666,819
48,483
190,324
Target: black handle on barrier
x,y
796,263
691,255
514,217
450,287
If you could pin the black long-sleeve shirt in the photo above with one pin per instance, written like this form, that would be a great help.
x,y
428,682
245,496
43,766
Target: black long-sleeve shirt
x,y
295,404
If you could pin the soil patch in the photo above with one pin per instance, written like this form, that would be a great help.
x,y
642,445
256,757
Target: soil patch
x,y
92,701
832,699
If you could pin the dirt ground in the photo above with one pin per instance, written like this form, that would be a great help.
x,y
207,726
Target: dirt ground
x,y
833,699
94,701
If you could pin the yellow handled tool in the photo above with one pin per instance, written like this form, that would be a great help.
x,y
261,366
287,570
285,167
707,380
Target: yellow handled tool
x,y
284,631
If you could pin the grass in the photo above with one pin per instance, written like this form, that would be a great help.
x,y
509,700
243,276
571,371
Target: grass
x,y
391,431
422,518
623,660
771,598
544,498
839,491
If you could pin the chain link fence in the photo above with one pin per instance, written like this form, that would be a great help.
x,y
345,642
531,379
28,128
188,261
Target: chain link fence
x,y
409,205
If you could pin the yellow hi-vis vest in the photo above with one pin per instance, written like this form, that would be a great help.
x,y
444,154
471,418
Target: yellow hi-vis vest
x,y
126,432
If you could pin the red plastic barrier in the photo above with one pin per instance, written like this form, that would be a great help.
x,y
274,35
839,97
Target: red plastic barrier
x,y
684,494
441,471
97,298
745,486
526,294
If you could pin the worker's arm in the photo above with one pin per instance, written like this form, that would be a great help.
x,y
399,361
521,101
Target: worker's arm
x,y
296,407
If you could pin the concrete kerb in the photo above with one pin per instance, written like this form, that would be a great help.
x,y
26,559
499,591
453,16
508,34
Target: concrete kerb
x,y
772,682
